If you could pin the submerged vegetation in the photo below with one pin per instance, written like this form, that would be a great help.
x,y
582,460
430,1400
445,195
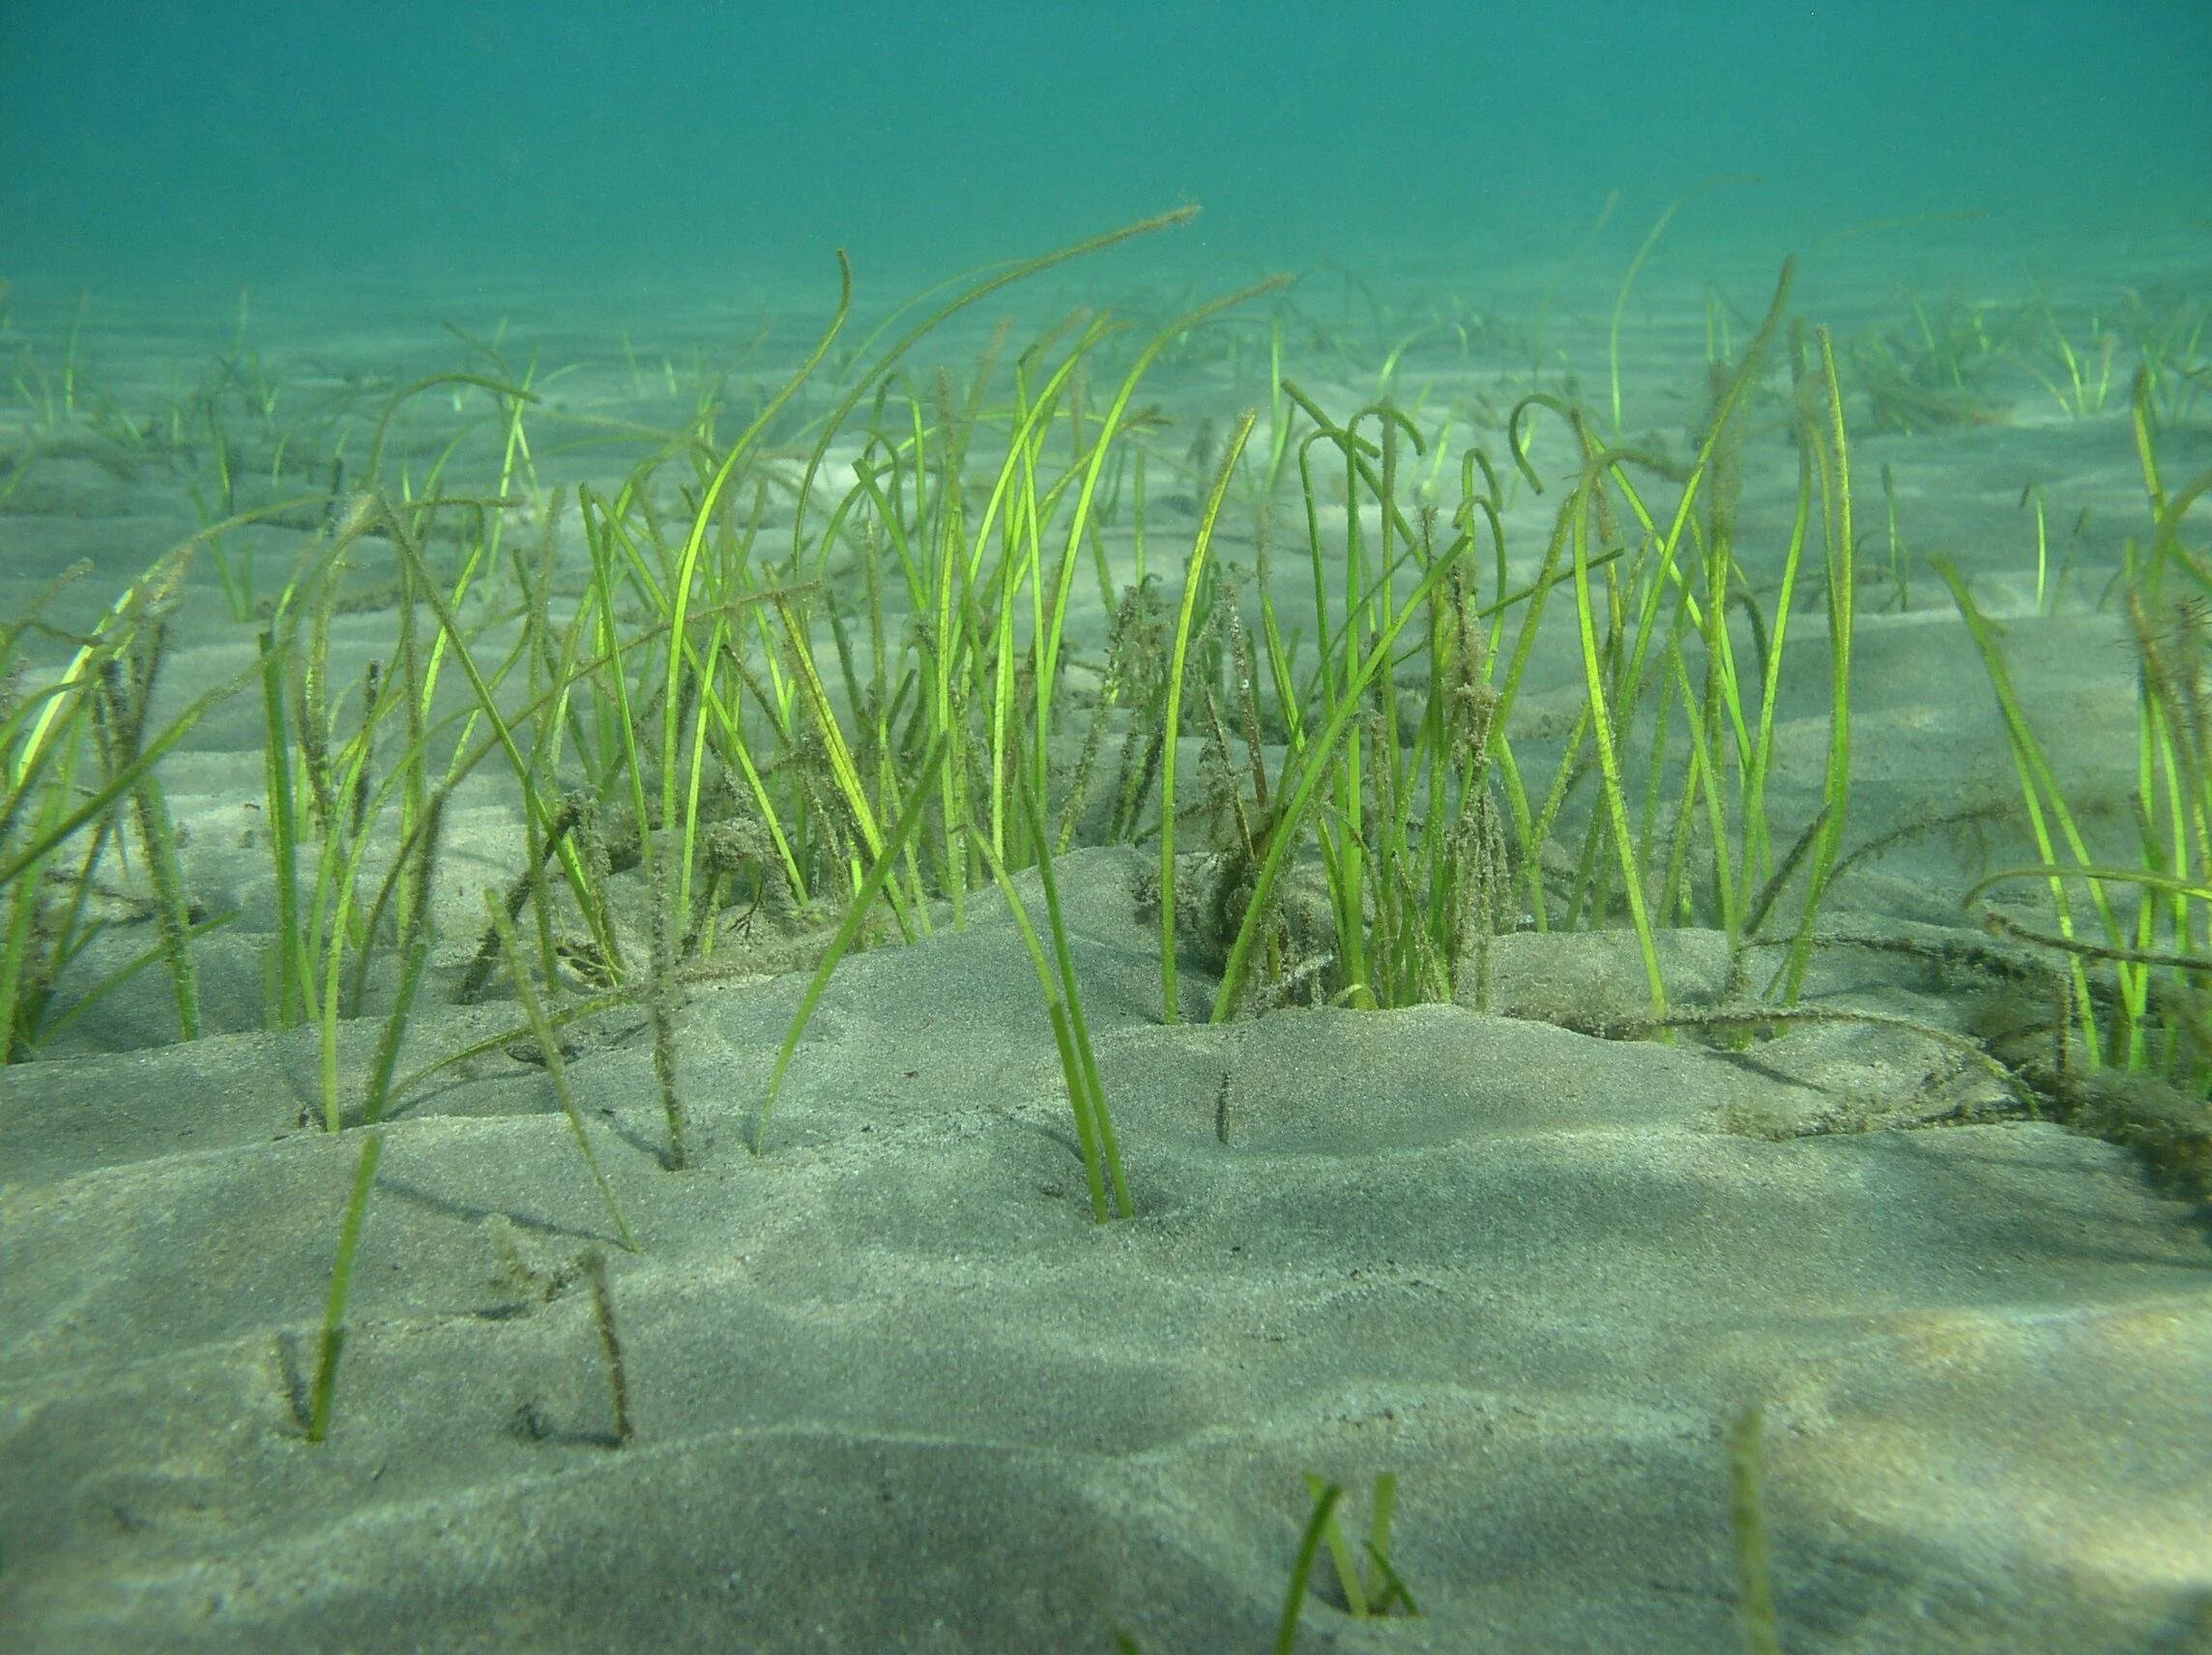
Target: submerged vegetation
x,y
820,678
2131,1041
827,668
909,638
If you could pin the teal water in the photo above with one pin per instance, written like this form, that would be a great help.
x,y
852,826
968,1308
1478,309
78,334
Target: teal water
x,y
156,141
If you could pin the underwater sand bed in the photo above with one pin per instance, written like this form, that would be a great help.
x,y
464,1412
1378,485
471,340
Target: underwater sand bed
x,y
890,1365
772,1203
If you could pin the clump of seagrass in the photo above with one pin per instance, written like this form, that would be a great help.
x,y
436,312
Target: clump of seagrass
x,y
1364,1591
76,775
1475,870
2129,1015
1934,374
1296,949
1135,679
1367,1585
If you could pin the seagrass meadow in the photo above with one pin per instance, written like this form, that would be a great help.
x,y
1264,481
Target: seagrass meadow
x,y
1084,963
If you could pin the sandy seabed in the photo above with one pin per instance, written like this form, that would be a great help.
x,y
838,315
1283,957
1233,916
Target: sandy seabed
x,y
890,1387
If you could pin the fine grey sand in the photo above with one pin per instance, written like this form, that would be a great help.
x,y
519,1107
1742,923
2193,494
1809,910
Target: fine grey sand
x,y
889,1386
